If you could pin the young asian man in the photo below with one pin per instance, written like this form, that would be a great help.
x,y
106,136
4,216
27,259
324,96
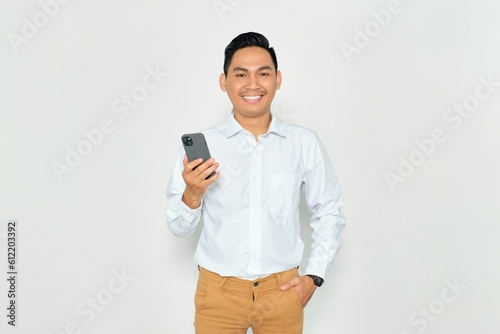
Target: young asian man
x,y
250,246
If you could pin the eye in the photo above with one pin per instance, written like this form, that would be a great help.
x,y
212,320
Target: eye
x,y
264,74
240,75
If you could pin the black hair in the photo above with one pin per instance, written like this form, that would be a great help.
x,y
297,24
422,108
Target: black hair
x,y
245,40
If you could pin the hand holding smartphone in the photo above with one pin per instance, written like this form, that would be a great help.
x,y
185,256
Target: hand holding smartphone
x,y
196,147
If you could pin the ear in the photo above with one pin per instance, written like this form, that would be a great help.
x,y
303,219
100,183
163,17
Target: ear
x,y
278,79
222,82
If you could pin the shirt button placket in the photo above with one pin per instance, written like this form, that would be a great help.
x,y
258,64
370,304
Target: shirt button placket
x,y
255,211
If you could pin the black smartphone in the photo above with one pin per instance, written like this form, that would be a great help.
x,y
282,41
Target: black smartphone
x,y
196,147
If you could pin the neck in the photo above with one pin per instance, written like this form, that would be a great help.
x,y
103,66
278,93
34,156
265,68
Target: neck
x,y
257,125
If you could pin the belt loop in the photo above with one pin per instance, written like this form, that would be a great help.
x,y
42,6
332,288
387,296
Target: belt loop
x,y
224,279
198,267
285,276
280,280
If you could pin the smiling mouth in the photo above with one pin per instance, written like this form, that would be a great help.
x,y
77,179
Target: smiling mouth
x,y
252,98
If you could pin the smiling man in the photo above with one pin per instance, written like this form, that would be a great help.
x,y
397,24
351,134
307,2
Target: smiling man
x,y
250,246
251,79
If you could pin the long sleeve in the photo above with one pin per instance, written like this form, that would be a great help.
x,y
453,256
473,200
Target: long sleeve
x,y
324,200
180,219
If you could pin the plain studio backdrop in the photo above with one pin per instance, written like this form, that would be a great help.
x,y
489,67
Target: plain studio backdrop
x,y
95,96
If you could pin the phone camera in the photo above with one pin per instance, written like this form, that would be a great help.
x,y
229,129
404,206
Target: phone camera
x,y
187,141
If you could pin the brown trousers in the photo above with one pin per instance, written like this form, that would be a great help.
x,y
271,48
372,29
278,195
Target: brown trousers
x,y
228,305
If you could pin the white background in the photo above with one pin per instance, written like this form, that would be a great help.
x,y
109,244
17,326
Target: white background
x,y
401,245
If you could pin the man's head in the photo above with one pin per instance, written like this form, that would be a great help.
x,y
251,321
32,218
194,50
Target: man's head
x,y
246,40
251,76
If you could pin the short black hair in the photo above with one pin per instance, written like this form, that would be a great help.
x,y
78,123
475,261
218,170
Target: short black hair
x,y
246,40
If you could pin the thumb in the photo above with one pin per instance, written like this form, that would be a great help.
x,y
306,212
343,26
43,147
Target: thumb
x,y
289,284
185,161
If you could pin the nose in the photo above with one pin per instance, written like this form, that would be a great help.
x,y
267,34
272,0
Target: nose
x,y
253,82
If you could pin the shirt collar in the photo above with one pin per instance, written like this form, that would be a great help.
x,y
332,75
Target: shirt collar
x,y
277,126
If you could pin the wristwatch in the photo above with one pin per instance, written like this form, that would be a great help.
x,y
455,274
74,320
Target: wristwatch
x,y
318,281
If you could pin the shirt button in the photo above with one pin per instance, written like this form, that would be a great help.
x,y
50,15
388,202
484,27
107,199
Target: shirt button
x,y
256,284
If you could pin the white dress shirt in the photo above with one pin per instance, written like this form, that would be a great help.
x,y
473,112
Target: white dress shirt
x,y
250,214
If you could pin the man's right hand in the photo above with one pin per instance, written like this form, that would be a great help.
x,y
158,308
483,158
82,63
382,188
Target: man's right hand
x,y
196,185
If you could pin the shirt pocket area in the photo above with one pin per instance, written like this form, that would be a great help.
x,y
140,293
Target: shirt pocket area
x,y
284,190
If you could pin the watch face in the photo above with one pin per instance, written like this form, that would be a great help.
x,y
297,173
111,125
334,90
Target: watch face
x,y
318,281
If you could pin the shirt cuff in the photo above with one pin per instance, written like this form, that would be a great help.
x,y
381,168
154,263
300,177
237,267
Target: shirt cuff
x,y
187,213
317,269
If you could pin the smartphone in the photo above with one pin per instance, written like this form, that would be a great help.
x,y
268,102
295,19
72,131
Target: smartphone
x,y
196,147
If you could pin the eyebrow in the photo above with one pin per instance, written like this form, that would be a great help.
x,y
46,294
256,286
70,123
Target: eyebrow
x,y
246,70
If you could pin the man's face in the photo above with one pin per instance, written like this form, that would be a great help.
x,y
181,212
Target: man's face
x,y
251,81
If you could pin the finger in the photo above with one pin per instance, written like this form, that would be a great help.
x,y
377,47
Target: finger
x,y
192,164
207,163
209,170
212,179
202,166
185,160
198,172
292,283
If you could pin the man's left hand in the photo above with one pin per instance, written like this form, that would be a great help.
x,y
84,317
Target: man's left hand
x,y
304,287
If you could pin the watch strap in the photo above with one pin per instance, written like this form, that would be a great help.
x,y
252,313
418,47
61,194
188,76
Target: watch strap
x,y
318,281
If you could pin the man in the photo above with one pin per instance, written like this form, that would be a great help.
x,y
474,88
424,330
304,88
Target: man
x,y
250,246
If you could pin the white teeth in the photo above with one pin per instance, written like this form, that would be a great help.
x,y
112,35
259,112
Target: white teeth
x,y
252,97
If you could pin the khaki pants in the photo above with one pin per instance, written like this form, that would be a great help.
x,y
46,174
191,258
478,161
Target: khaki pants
x,y
228,305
